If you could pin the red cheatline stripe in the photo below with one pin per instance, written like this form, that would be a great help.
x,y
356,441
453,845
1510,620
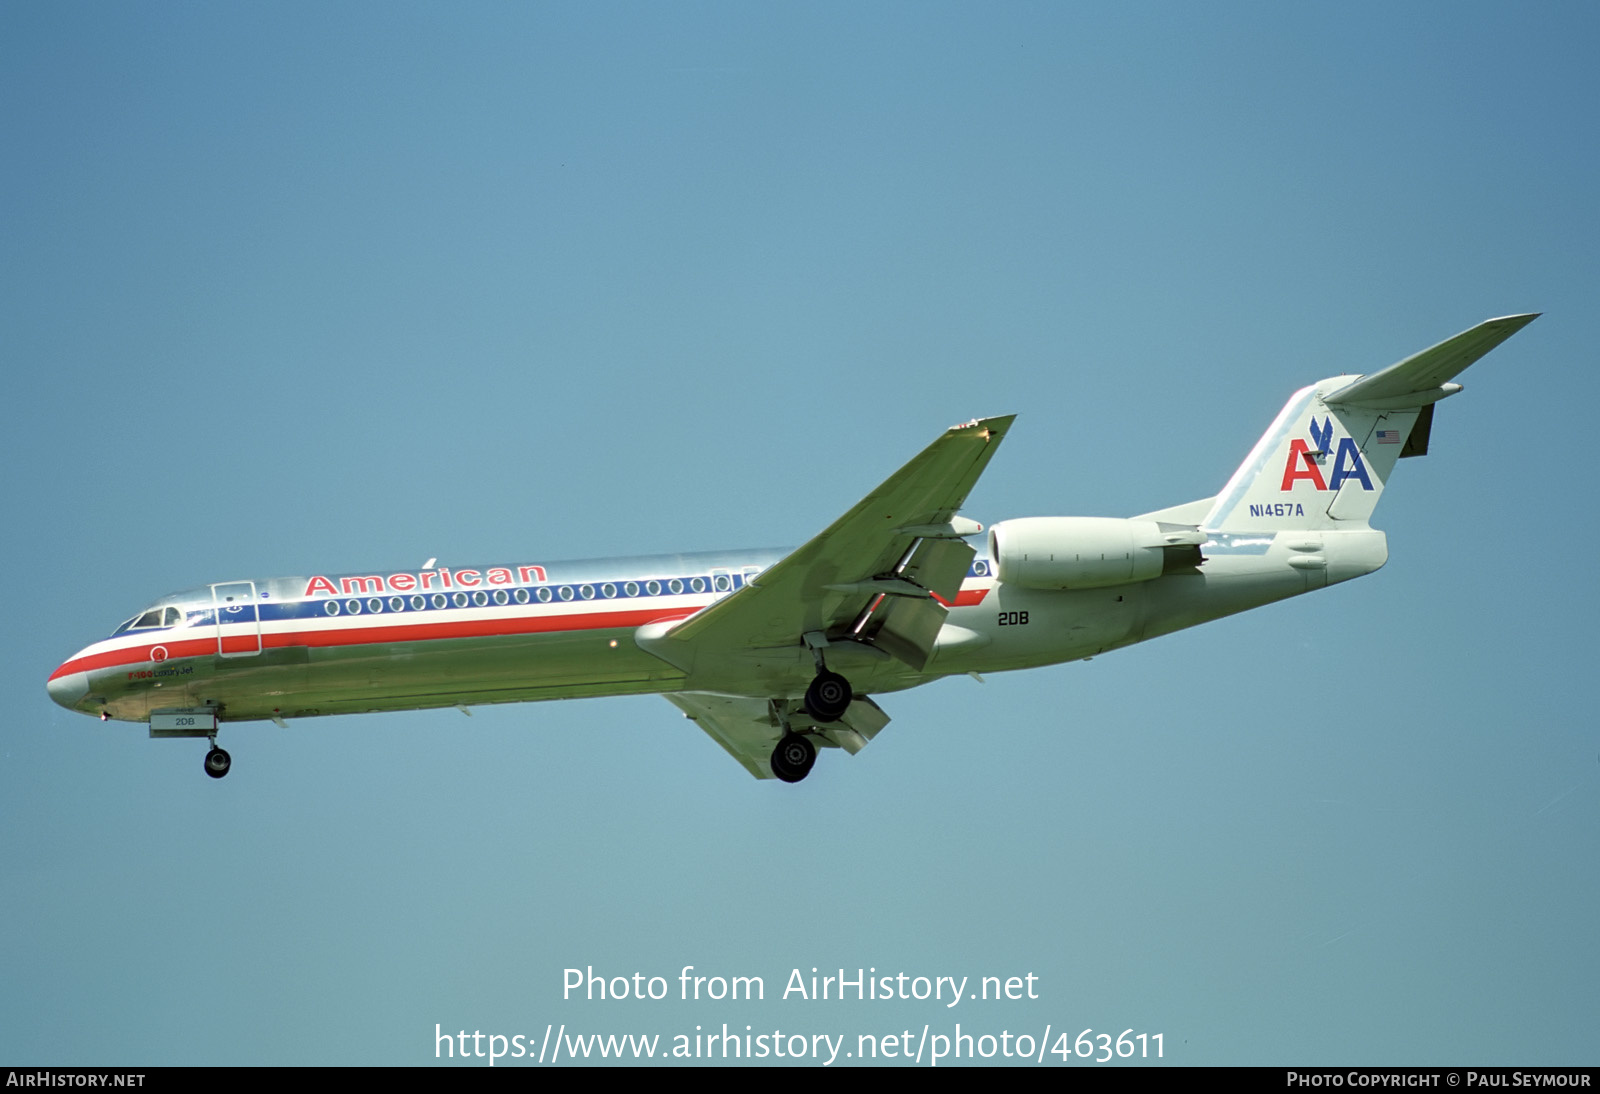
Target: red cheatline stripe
x,y
135,654
966,598
409,632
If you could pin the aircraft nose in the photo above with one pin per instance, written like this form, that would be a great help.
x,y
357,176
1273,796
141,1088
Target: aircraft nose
x,y
69,688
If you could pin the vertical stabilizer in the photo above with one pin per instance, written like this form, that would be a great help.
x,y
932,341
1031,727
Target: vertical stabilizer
x,y
1317,466
1325,459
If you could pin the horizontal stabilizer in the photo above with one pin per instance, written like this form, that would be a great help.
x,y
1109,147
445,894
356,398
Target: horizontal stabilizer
x,y
1420,378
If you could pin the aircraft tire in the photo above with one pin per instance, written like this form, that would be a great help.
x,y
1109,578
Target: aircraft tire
x,y
218,763
828,697
792,760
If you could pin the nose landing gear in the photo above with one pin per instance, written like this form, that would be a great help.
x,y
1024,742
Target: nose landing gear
x,y
193,722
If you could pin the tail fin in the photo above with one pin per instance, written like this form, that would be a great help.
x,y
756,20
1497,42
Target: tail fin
x,y
1325,459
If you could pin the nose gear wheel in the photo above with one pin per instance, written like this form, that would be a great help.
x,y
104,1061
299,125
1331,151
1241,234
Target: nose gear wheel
x,y
218,763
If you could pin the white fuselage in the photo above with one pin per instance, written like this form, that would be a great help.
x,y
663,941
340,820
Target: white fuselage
x,y
299,647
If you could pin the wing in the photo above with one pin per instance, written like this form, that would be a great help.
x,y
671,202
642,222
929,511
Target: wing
x,y
867,577
879,578
749,729
744,727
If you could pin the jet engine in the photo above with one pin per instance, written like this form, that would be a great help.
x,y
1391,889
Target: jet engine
x,y
1088,552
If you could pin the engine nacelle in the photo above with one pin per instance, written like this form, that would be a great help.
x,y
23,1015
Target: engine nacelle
x,y
1078,552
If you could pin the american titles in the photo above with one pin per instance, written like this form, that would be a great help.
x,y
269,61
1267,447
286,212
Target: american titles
x,y
424,580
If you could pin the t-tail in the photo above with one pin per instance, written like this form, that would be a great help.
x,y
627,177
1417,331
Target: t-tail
x,y
1325,460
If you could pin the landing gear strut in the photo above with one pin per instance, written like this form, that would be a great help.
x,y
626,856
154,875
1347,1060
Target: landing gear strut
x,y
828,697
793,758
218,762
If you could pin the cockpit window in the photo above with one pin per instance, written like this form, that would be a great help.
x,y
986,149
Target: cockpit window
x,y
155,617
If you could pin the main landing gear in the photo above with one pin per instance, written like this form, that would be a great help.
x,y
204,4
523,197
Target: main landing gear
x,y
218,762
793,758
828,697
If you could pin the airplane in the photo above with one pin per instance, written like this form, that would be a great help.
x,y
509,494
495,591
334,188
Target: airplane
x,y
776,654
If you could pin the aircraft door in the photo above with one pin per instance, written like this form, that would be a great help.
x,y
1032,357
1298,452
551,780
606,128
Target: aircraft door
x,y
234,604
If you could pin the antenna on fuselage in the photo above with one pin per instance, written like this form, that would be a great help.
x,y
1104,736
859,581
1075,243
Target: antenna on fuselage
x,y
428,565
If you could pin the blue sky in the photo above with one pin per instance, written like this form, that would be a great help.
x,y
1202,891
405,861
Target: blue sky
x,y
311,289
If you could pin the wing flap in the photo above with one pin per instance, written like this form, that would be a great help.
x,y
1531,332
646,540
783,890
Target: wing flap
x,y
909,629
939,565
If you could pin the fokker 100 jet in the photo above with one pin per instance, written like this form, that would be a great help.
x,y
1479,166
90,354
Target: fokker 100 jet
x,y
775,654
